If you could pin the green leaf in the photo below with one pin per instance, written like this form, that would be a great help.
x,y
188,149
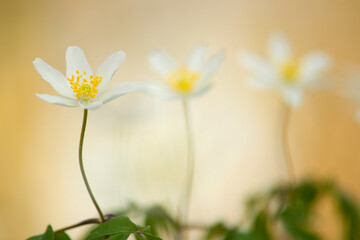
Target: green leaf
x,y
158,218
350,215
150,236
121,236
296,221
300,233
48,235
62,236
216,230
236,235
117,226
260,227
306,194
51,235
139,236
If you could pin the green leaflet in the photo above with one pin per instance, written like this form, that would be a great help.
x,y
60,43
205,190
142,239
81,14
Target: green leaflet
x,y
120,225
158,218
215,231
62,236
120,228
350,215
50,235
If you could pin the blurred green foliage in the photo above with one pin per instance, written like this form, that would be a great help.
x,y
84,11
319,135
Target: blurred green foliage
x,y
291,207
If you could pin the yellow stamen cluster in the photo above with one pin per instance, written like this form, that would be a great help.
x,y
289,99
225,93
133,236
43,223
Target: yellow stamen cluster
x,y
289,72
82,88
183,80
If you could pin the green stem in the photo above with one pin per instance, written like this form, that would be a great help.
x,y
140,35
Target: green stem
x,y
82,167
190,159
286,147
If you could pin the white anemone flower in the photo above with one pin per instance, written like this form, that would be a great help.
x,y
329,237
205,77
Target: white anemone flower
x,y
283,72
80,87
183,81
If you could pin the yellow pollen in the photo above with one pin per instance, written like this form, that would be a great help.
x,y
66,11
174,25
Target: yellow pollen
x,y
183,80
289,72
82,88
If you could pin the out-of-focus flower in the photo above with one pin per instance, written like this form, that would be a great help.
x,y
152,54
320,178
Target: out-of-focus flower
x,y
80,88
283,72
192,79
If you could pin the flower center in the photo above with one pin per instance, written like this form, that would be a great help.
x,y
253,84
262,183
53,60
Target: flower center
x,y
82,88
289,72
183,80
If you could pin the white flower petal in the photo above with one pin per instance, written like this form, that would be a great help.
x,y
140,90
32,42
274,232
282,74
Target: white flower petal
x,y
76,60
209,68
161,63
63,101
279,49
255,64
54,77
196,59
259,82
109,67
293,96
159,90
90,105
201,90
313,65
117,91
263,74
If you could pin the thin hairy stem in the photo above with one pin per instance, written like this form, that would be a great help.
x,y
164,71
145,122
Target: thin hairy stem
x,y
82,223
82,167
184,210
286,147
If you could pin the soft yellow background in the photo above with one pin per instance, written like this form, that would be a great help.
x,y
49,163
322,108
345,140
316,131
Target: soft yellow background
x,y
134,147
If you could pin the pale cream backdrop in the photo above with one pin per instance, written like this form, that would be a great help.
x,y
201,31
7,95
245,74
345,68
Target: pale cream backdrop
x,y
134,146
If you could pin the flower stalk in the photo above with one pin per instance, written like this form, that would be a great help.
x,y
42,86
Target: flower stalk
x,y
190,159
286,147
83,128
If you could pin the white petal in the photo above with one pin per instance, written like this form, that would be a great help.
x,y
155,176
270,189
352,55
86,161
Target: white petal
x,y
263,74
293,96
279,49
313,65
199,92
259,82
209,68
196,59
90,105
161,63
109,67
255,64
117,91
54,77
158,90
63,101
76,60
